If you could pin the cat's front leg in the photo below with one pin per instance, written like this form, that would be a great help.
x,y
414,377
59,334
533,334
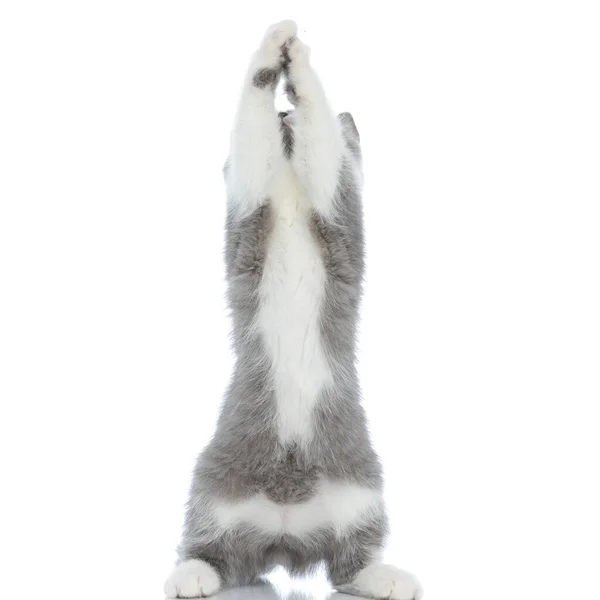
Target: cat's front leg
x,y
318,143
256,149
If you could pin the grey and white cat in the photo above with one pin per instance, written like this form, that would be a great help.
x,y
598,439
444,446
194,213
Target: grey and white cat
x,y
290,477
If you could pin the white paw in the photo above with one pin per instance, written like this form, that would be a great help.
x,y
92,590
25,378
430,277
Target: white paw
x,y
192,579
277,35
384,581
298,51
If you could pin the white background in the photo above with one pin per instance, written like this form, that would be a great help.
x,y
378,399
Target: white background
x,y
480,337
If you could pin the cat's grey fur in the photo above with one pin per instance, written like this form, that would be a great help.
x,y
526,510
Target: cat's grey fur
x,y
245,456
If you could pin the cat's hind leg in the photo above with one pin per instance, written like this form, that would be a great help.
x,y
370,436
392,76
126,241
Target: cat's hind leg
x,y
239,557
220,549
354,565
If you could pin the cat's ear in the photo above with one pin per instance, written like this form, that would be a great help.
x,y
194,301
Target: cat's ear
x,y
349,126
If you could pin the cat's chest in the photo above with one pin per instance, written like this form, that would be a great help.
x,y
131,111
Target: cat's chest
x,y
291,294
293,266
294,275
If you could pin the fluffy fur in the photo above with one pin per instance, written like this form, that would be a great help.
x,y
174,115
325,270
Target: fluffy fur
x,y
290,477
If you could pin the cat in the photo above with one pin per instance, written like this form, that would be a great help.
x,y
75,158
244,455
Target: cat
x,y
290,477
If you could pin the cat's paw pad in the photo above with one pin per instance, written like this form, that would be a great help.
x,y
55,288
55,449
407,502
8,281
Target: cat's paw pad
x,y
277,35
192,579
384,581
298,51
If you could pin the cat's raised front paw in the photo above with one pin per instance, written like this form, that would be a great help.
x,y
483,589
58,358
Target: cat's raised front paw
x,y
192,579
384,581
277,35
298,52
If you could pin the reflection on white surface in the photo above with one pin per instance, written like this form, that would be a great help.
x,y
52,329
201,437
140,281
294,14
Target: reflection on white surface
x,y
280,587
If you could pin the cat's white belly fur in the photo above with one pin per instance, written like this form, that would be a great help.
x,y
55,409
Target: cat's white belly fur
x,y
337,505
291,293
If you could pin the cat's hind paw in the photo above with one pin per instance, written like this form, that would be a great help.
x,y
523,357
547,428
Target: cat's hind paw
x,y
192,579
384,582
